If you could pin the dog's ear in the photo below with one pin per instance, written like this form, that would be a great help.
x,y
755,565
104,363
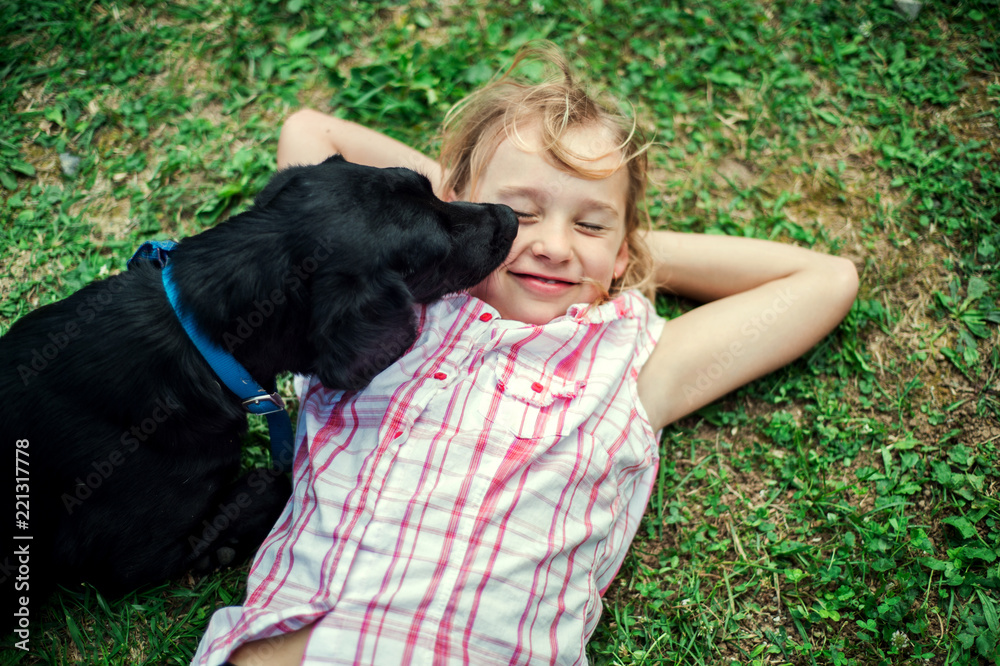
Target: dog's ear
x,y
359,327
424,265
417,246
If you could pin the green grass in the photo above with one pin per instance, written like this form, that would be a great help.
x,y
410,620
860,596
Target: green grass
x,y
840,511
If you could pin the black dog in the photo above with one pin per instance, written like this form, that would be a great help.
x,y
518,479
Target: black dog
x,y
126,444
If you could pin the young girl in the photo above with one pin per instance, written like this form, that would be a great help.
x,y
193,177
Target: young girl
x,y
474,502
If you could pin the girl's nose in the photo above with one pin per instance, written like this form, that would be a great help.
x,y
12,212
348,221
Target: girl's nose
x,y
550,240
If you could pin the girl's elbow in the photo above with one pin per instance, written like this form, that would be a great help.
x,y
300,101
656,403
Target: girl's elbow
x,y
844,281
299,121
305,138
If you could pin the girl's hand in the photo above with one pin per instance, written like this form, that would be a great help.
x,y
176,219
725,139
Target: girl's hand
x,y
767,304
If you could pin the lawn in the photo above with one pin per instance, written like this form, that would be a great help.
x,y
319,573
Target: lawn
x,y
843,510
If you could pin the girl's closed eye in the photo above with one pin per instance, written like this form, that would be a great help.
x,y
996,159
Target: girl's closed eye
x,y
592,227
521,215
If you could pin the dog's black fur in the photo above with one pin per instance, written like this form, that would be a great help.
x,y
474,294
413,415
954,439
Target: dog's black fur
x,y
131,447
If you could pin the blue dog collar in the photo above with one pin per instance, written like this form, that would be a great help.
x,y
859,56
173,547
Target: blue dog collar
x,y
155,252
236,378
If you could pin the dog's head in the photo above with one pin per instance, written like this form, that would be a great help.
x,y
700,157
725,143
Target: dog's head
x,y
380,241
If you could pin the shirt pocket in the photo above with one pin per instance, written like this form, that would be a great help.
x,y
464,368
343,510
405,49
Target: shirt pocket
x,y
533,404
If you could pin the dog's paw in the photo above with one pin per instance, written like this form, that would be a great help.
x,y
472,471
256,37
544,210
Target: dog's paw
x,y
225,556
220,558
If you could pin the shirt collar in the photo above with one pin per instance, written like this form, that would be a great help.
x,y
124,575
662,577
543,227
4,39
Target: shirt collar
x,y
622,306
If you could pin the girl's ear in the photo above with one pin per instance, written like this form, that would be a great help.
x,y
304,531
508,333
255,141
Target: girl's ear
x,y
621,261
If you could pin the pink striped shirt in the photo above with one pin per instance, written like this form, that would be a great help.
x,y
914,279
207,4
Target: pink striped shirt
x,y
471,504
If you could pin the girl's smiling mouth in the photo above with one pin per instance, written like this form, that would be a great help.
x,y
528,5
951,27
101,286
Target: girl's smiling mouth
x,y
542,283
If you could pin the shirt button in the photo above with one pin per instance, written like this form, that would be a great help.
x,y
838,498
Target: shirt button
x,y
486,316
537,388
440,375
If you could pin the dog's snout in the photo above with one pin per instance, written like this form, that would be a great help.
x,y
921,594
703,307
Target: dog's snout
x,y
501,217
508,222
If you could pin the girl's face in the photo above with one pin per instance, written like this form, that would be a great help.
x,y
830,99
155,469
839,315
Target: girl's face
x,y
570,228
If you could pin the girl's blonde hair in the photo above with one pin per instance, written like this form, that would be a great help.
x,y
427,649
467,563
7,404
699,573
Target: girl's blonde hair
x,y
476,125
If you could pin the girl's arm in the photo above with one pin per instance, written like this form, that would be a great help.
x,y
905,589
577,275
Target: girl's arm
x,y
309,137
766,304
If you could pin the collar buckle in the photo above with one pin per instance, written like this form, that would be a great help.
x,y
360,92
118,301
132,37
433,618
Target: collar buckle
x,y
264,404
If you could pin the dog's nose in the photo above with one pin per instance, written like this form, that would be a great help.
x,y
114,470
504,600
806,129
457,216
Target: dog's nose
x,y
508,225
